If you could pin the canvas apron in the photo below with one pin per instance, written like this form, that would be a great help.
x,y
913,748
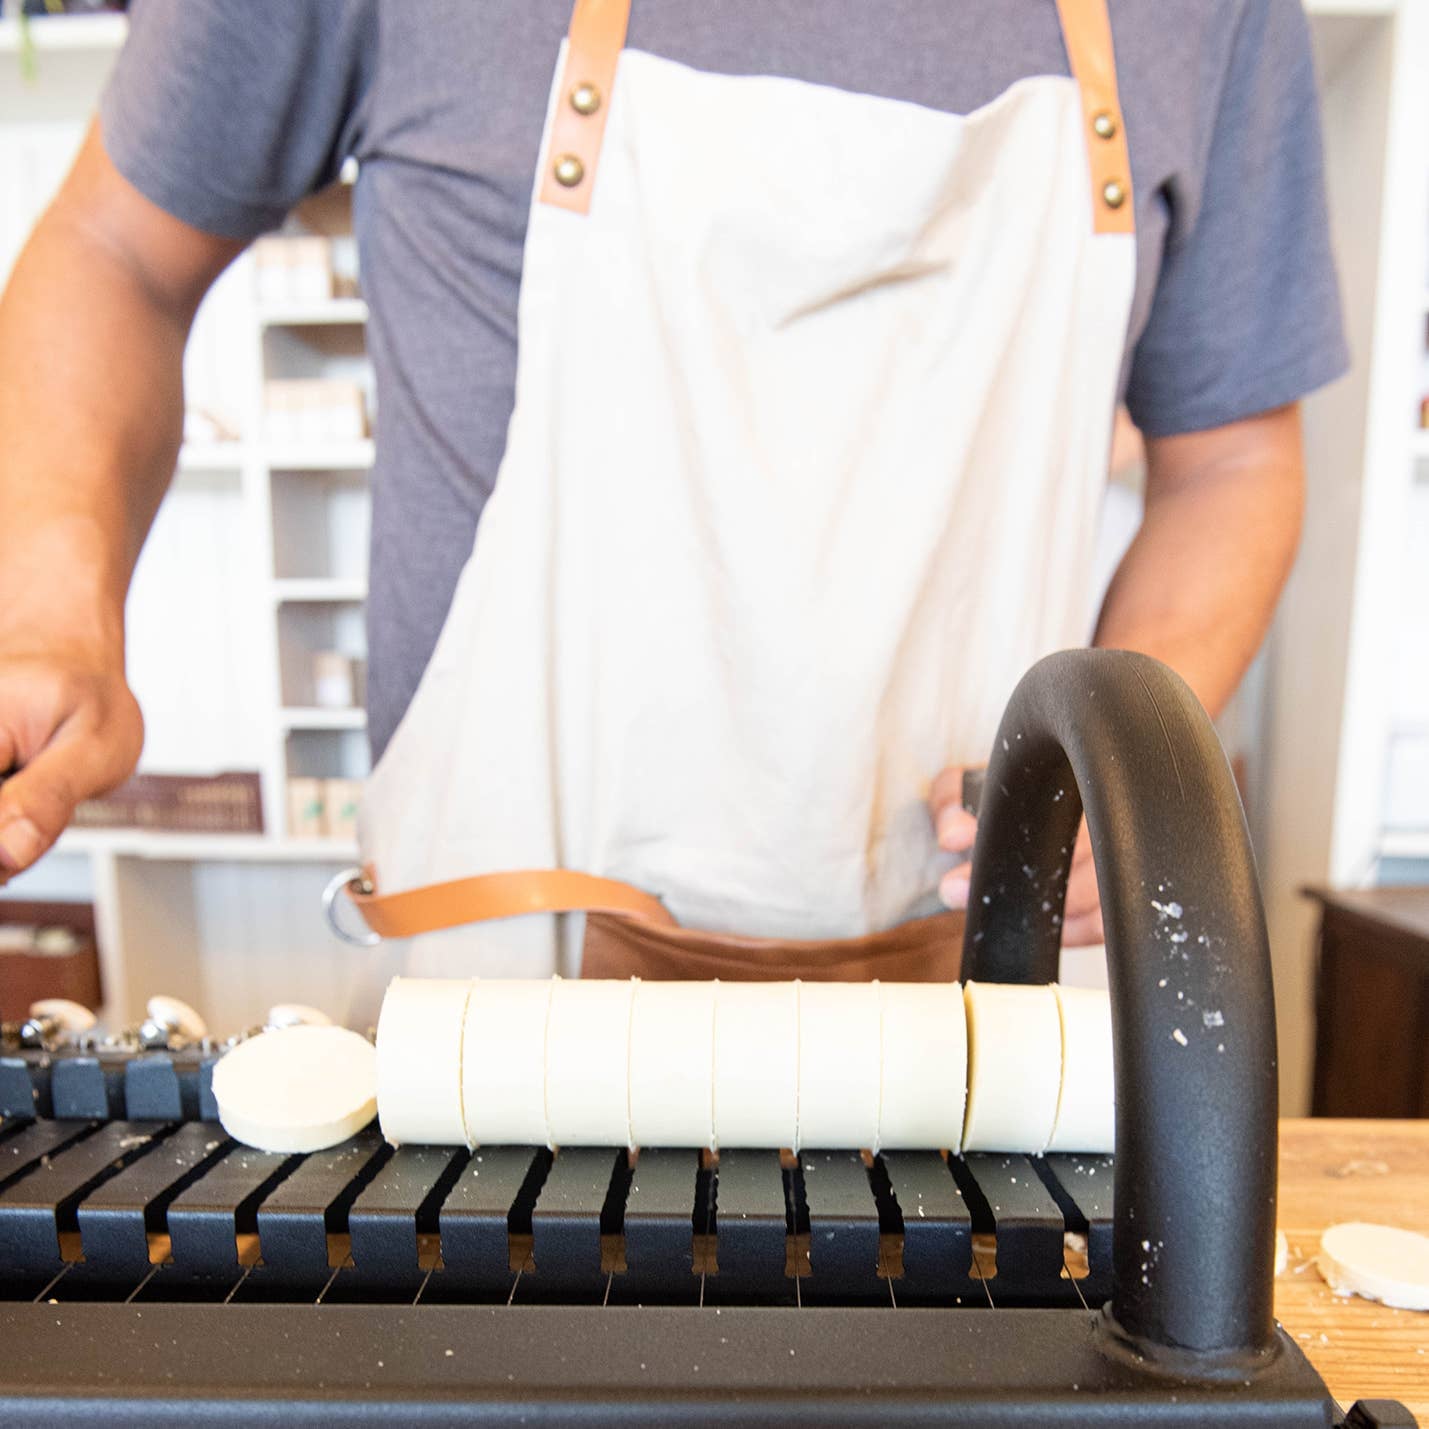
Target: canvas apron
x,y
813,409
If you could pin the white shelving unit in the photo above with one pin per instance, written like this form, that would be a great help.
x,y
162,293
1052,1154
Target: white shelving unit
x,y
260,554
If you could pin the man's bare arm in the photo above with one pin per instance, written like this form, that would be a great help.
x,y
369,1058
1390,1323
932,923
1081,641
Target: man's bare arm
x,y
1197,589
92,332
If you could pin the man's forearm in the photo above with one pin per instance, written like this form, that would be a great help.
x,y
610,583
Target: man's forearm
x,y
91,402
1198,586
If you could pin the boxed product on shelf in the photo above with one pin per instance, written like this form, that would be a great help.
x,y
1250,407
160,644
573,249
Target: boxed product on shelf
x,y
302,410
306,806
227,803
341,799
46,950
337,680
292,268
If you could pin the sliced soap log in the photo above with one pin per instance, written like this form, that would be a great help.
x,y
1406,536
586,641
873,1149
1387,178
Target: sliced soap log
x,y
297,1088
925,1066
672,1064
588,1063
840,1054
756,1064
1383,1263
503,1063
1086,1104
419,1036
1014,1067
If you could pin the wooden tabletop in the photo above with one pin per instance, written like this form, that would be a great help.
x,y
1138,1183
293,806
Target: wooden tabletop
x,y
1332,1171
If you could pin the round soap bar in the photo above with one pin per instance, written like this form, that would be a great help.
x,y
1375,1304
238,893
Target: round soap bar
x,y
588,1063
175,1014
840,1061
297,1088
419,1033
297,1014
672,1064
69,1016
1086,1104
503,1062
756,1064
1379,1262
1014,1067
925,1066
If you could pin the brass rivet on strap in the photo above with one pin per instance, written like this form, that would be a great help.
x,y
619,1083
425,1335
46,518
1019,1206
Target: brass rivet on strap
x,y
1104,125
569,171
1113,193
585,99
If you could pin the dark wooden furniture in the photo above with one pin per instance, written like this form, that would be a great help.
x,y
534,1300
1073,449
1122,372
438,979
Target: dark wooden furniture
x,y
1372,1003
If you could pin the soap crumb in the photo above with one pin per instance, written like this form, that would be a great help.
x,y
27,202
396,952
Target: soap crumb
x,y
1180,1037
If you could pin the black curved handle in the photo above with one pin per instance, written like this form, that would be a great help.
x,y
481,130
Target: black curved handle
x,y
1189,962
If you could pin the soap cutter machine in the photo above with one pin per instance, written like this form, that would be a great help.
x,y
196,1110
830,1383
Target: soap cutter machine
x,y
151,1269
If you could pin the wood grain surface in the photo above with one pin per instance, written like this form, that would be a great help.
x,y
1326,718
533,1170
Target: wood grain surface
x,y
1333,1171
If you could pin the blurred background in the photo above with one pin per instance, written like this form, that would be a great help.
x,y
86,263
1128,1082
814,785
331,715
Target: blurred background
x,y
201,878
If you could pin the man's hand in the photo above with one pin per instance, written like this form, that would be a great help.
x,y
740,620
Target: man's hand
x,y
73,730
957,830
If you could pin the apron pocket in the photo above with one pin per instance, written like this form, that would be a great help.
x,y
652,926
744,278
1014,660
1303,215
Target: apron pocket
x,y
924,950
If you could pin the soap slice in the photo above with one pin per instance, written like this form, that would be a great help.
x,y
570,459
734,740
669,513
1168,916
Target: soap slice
x,y
839,1065
1014,1067
297,1088
1086,1104
503,1062
419,1035
1381,1263
925,1066
672,1064
588,1062
756,1064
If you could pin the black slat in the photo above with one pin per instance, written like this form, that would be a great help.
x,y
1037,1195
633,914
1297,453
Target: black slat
x,y
1086,1182
659,1229
401,1202
207,1104
151,1088
937,1228
295,1220
206,1218
566,1223
843,1228
751,1227
476,1219
37,1207
115,1219
19,1092
23,1151
1029,1226
79,1086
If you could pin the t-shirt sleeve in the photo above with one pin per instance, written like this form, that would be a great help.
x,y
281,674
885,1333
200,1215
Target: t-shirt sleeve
x,y
1246,315
227,114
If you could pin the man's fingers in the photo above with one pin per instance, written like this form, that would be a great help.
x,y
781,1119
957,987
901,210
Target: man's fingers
x,y
37,803
1083,932
956,828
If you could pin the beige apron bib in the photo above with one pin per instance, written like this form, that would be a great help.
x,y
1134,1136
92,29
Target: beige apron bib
x,y
813,408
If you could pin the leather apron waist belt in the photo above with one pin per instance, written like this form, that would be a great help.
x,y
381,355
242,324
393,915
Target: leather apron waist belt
x,y
630,933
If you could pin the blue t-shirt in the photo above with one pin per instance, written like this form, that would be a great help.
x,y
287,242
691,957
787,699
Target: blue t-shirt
x,y
227,115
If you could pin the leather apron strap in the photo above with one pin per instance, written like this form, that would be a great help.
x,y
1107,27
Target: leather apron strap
x,y
499,895
1086,32
593,46
597,36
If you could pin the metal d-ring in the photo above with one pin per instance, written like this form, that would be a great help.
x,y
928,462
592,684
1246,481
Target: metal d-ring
x,y
347,879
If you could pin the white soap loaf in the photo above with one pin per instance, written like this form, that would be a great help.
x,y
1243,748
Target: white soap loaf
x,y
750,1065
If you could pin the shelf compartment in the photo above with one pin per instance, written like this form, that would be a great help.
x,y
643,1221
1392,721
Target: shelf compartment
x,y
321,525
327,754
